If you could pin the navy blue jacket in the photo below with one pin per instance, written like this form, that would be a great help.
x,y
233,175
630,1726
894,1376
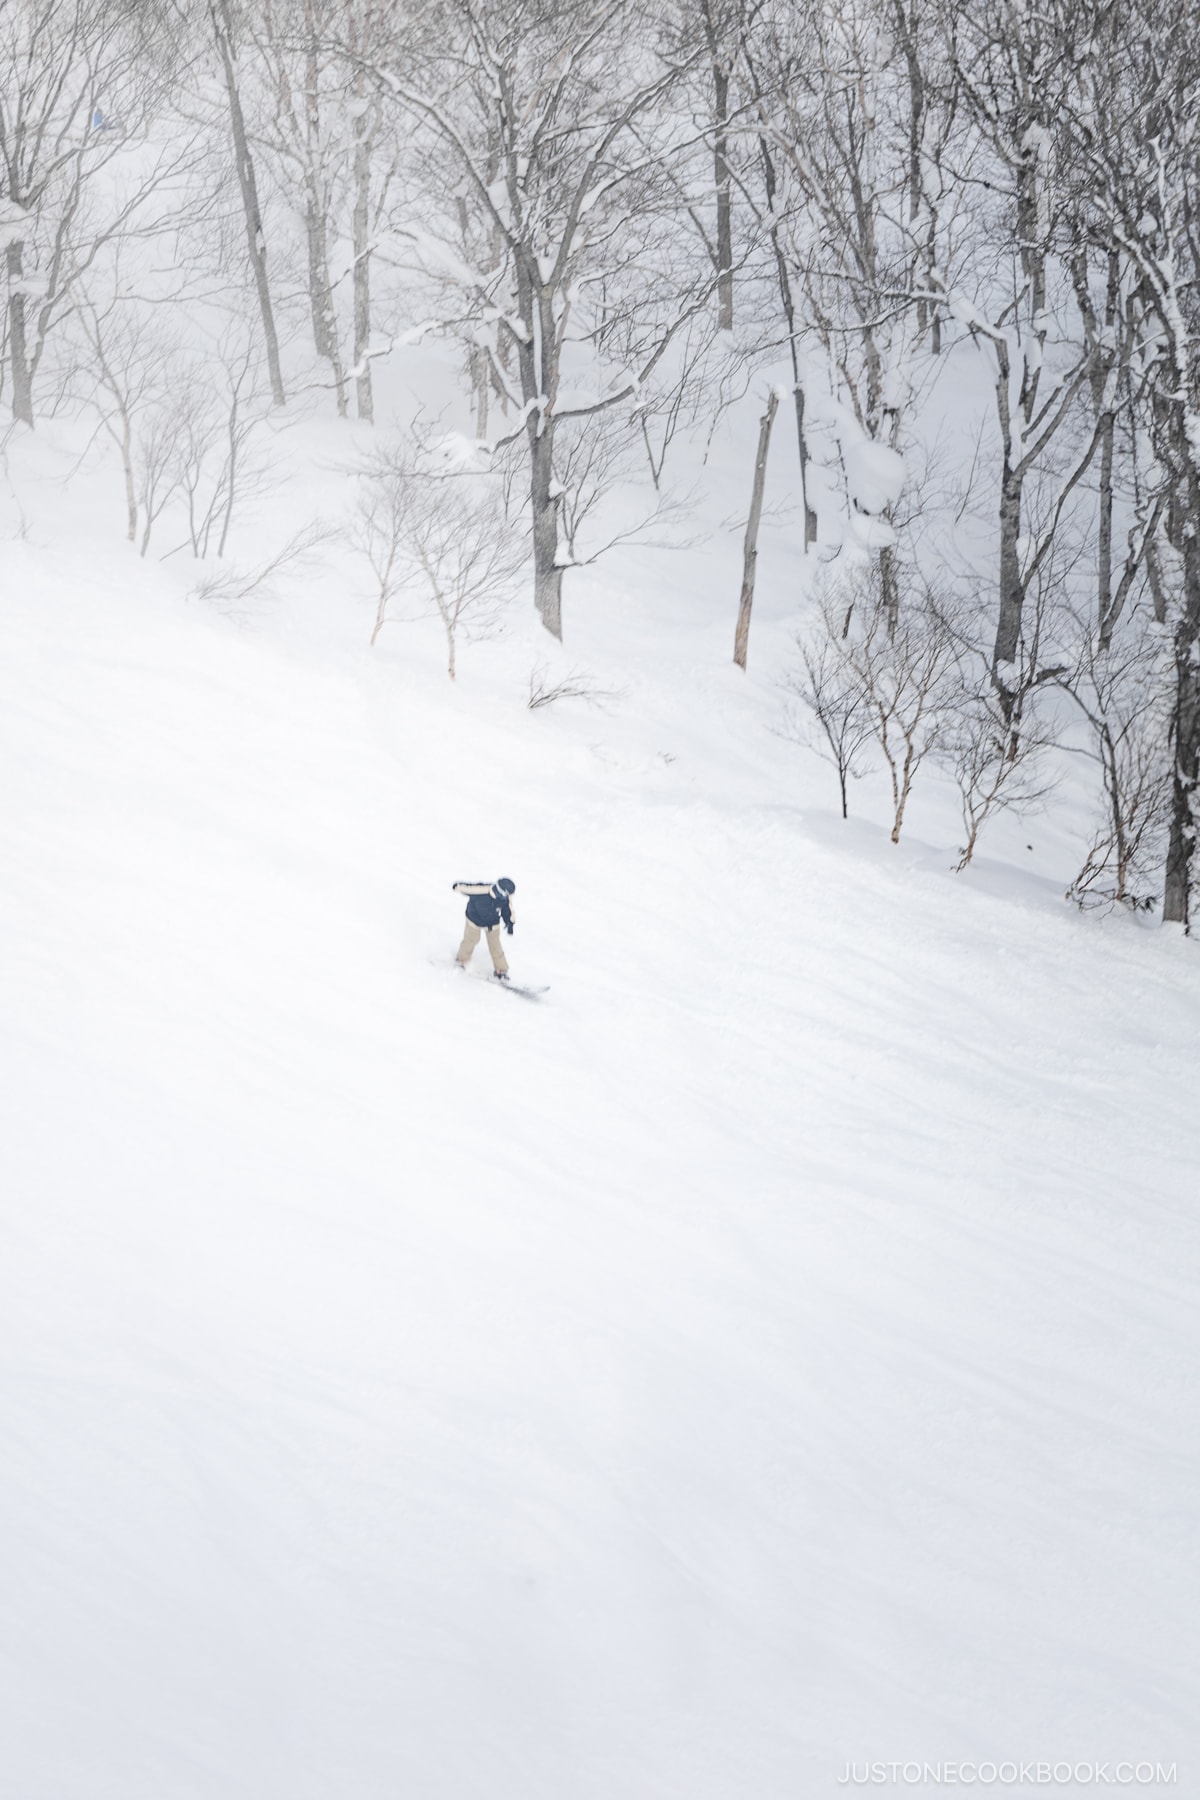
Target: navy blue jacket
x,y
487,907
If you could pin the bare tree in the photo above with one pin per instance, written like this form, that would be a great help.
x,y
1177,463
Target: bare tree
x,y
432,526
834,721
562,152
787,294
220,464
79,81
866,677
126,374
720,25
1131,122
1123,690
994,767
904,667
596,459
367,42
993,743
196,445
303,131
157,465
225,38
851,149
1013,66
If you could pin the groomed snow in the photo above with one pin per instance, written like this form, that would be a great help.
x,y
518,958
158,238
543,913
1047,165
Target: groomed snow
x,y
773,1351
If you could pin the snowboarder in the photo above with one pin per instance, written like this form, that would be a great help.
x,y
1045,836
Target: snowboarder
x,y
488,905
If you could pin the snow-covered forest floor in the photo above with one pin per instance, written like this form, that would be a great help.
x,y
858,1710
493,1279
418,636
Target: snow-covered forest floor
x,y
772,1352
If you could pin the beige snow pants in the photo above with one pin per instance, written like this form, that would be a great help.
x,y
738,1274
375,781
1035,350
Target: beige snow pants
x,y
471,936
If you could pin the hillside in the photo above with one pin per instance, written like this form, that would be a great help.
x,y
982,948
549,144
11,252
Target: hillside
x,y
769,1353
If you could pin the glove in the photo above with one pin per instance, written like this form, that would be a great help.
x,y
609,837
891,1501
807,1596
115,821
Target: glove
x,y
509,929
454,887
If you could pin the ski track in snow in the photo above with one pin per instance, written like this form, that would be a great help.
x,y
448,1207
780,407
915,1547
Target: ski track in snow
x,y
770,1352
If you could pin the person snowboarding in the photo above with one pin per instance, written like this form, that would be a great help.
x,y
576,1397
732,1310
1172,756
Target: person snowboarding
x,y
488,906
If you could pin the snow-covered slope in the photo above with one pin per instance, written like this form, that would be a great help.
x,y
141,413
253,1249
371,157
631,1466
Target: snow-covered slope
x,y
769,1354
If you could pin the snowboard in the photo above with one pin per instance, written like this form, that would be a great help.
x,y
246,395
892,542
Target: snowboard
x,y
526,990
513,987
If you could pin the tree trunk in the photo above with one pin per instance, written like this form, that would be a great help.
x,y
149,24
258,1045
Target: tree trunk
x,y
481,388
22,374
547,574
724,202
318,280
1012,589
723,252
320,295
1154,578
889,582
363,391
741,637
810,516
906,35
537,353
320,298
906,781
969,848
1104,594
131,505
1181,843
316,223
477,362
1108,430
788,302
324,338
234,442
256,242
1112,783
1185,732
